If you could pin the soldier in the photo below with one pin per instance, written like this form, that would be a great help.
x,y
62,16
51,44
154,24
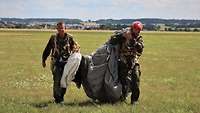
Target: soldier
x,y
130,49
61,46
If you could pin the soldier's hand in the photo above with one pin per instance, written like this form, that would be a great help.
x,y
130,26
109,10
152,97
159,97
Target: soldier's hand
x,y
43,64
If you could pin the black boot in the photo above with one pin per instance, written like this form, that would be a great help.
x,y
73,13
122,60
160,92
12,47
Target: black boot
x,y
78,85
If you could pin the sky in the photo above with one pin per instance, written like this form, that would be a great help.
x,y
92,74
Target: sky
x,y
101,9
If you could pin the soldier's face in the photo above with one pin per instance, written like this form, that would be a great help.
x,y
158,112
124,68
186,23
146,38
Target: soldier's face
x,y
131,41
135,33
61,29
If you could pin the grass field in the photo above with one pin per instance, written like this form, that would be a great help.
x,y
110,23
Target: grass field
x,y
170,81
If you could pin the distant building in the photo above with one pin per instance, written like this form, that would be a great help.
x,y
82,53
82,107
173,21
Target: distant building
x,y
73,26
89,25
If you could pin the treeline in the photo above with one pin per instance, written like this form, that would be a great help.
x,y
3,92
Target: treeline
x,y
40,20
150,24
150,21
150,27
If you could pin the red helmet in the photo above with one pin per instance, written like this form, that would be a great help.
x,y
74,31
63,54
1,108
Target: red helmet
x,y
137,25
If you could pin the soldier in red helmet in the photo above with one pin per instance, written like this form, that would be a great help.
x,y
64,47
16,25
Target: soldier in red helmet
x,y
131,47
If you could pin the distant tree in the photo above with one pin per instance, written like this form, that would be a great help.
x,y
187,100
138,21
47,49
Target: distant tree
x,y
176,29
103,27
20,26
196,30
157,28
180,29
170,29
150,27
187,29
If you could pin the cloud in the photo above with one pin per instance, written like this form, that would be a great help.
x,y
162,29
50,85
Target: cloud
x,y
16,8
95,9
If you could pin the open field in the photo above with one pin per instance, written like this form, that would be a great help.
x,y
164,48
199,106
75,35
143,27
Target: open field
x,y
170,81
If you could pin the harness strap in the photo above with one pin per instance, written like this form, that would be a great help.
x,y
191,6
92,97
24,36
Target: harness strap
x,y
55,47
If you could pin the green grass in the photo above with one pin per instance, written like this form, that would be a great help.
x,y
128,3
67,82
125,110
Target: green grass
x,y
170,81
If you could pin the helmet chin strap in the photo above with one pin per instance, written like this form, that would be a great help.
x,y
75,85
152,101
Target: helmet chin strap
x,y
134,35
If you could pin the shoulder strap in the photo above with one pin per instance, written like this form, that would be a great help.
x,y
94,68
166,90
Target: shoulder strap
x,y
69,35
55,45
68,42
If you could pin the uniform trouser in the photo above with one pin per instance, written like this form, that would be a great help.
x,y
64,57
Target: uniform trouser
x,y
132,83
58,92
135,78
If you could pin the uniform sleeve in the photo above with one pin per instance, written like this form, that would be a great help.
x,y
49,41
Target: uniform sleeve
x,y
48,49
139,45
75,46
